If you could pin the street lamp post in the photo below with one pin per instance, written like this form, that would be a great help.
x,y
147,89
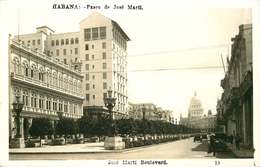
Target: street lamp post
x,y
110,103
112,142
18,141
18,107
143,110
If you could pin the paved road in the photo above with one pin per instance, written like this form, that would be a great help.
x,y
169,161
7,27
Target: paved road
x,y
172,150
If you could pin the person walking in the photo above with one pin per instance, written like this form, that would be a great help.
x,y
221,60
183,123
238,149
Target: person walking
x,y
238,140
212,145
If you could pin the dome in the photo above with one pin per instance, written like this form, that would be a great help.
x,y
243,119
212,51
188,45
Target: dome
x,y
195,108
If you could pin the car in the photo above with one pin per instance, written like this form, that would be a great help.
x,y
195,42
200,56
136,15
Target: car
x,y
220,145
197,138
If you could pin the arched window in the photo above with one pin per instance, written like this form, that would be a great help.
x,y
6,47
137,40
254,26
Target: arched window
x,y
54,81
16,66
26,68
41,74
33,71
72,41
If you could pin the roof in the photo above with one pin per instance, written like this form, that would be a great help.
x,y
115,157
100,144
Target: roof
x,y
45,27
114,23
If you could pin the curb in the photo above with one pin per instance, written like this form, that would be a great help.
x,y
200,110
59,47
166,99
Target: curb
x,y
93,152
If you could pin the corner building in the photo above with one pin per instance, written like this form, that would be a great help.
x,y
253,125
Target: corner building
x,y
45,85
103,52
99,50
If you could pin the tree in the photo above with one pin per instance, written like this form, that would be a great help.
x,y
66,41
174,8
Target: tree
x,y
67,126
41,127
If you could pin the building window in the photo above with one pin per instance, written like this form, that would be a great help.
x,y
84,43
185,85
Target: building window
x,y
87,77
41,76
94,86
87,97
72,41
104,75
87,66
65,108
87,57
64,51
104,95
86,47
67,41
93,57
103,45
87,86
65,61
93,76
104,65
62,42
104,55
87,34
26,71
76,51
38,42
104,85
57,42
32,73
54,106
57,52
33,42
92,46
102,32
93,97
94,33
76,40
93,66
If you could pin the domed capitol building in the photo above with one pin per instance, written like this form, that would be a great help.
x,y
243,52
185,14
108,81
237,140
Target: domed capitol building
x,y
196,118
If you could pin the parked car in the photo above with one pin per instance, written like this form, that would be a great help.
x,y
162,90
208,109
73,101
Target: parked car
x,y
220,145
197,138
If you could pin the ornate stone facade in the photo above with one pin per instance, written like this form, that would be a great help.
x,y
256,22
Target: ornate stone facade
x,y
44,84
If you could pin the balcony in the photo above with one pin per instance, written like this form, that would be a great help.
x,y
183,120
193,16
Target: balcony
x,y
45,57
47,86
247,83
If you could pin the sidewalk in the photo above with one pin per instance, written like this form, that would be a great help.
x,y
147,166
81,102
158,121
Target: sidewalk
x,y
68,148
242,153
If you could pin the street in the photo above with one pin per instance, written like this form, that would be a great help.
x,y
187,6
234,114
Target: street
x,y
173,150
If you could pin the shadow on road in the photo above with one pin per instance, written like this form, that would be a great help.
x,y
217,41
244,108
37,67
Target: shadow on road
x,y
202,147
224,154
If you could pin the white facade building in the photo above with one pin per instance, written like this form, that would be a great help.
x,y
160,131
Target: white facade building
x,y
99,49
45,85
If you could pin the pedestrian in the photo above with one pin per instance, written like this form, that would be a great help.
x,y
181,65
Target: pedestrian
x,y
212,145
238,140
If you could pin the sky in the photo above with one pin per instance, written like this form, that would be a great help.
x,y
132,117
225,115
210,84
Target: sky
x,y
162,37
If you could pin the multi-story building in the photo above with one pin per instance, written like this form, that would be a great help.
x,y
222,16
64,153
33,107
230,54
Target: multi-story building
x,y
235,108
45,85
103,49
196,119
149,111
99,50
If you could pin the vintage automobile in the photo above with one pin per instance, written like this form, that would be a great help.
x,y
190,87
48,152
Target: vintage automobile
x,y
197,138
220,145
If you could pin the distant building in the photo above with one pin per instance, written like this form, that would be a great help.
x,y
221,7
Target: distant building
x,y
148,111
235,108
196,119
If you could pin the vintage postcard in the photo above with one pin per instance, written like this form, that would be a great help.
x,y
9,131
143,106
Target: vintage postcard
x,y
129,83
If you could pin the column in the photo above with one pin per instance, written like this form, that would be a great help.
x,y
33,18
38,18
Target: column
x,y
21,127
